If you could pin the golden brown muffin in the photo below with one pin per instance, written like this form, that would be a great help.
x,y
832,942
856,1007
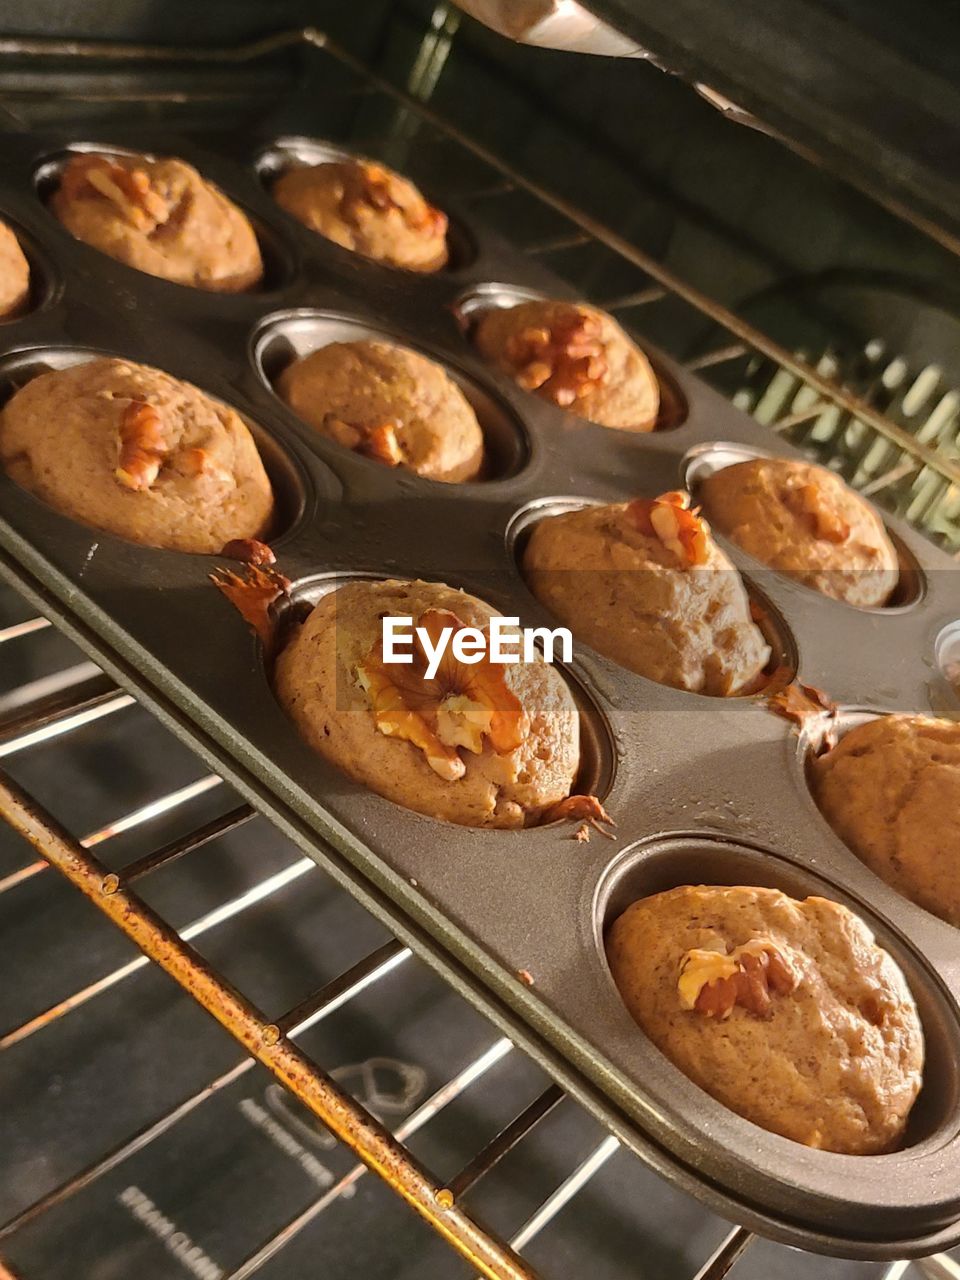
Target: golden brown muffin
x,y
14,275
675,613
786,1012
574,356
483,745
369,209
161,217
388,403
802,520
890,789
130,450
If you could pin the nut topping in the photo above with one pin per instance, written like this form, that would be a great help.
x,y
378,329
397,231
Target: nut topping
x,y
250,550
713,983
671,519
462,706
142,450
128,189
252,593
811,502
378,441
370,188
564,360
584,809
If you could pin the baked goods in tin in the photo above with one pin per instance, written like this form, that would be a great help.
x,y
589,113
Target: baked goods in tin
x,y
388,403
161,217
14,275
804,521
133,451
623,581
485,745
787,1012
574,356
369,209
890,789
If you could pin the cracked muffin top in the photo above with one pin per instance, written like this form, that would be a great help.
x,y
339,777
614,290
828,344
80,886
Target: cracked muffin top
x,y
644,583
388,403
890,789
574,356
804,521
369,209
161,217
484,745
14,275
787,1012
130,450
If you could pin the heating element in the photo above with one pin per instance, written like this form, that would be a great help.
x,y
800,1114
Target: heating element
x,y
80,700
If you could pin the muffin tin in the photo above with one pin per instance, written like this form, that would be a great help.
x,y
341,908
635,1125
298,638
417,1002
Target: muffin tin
x,y
702,789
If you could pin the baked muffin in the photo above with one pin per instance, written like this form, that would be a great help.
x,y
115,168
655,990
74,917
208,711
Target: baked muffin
x,y
483,745
890,789
130,450
369,209
622,580
388,403
14,275
786,1012
161,217
802,520
574,356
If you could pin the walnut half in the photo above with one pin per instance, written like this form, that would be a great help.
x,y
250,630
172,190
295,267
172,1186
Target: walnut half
x,y
713,982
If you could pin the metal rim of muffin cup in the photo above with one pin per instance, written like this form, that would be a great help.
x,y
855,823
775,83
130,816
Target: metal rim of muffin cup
x,y
469,306
287,477
285,336
784,652
299,152
596,772
705,459
674,859
278,266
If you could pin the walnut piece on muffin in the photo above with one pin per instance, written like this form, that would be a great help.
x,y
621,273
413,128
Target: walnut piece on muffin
x,y
369,209
574,356
804,521
14,275
137,453
623,581
388,403
787,1012
484,745
890,789
161,217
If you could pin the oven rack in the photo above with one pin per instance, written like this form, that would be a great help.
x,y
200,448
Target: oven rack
x,y
811,393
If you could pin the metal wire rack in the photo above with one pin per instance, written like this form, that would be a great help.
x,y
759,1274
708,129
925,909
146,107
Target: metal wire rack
x,y
80,696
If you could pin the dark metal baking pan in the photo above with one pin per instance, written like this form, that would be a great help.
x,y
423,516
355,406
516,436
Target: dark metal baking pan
x,y
716,779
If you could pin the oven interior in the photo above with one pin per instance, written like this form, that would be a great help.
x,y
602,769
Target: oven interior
x,y
137,1135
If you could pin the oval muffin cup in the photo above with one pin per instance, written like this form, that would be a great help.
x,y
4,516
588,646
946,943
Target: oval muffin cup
x,y
46,284
705,459
297,152
598,760
946,658
815,738
278,265
286,336
286,478
470,305
784,653
676,859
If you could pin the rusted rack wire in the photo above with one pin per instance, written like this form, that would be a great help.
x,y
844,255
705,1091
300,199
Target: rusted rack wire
x,y
271,1039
